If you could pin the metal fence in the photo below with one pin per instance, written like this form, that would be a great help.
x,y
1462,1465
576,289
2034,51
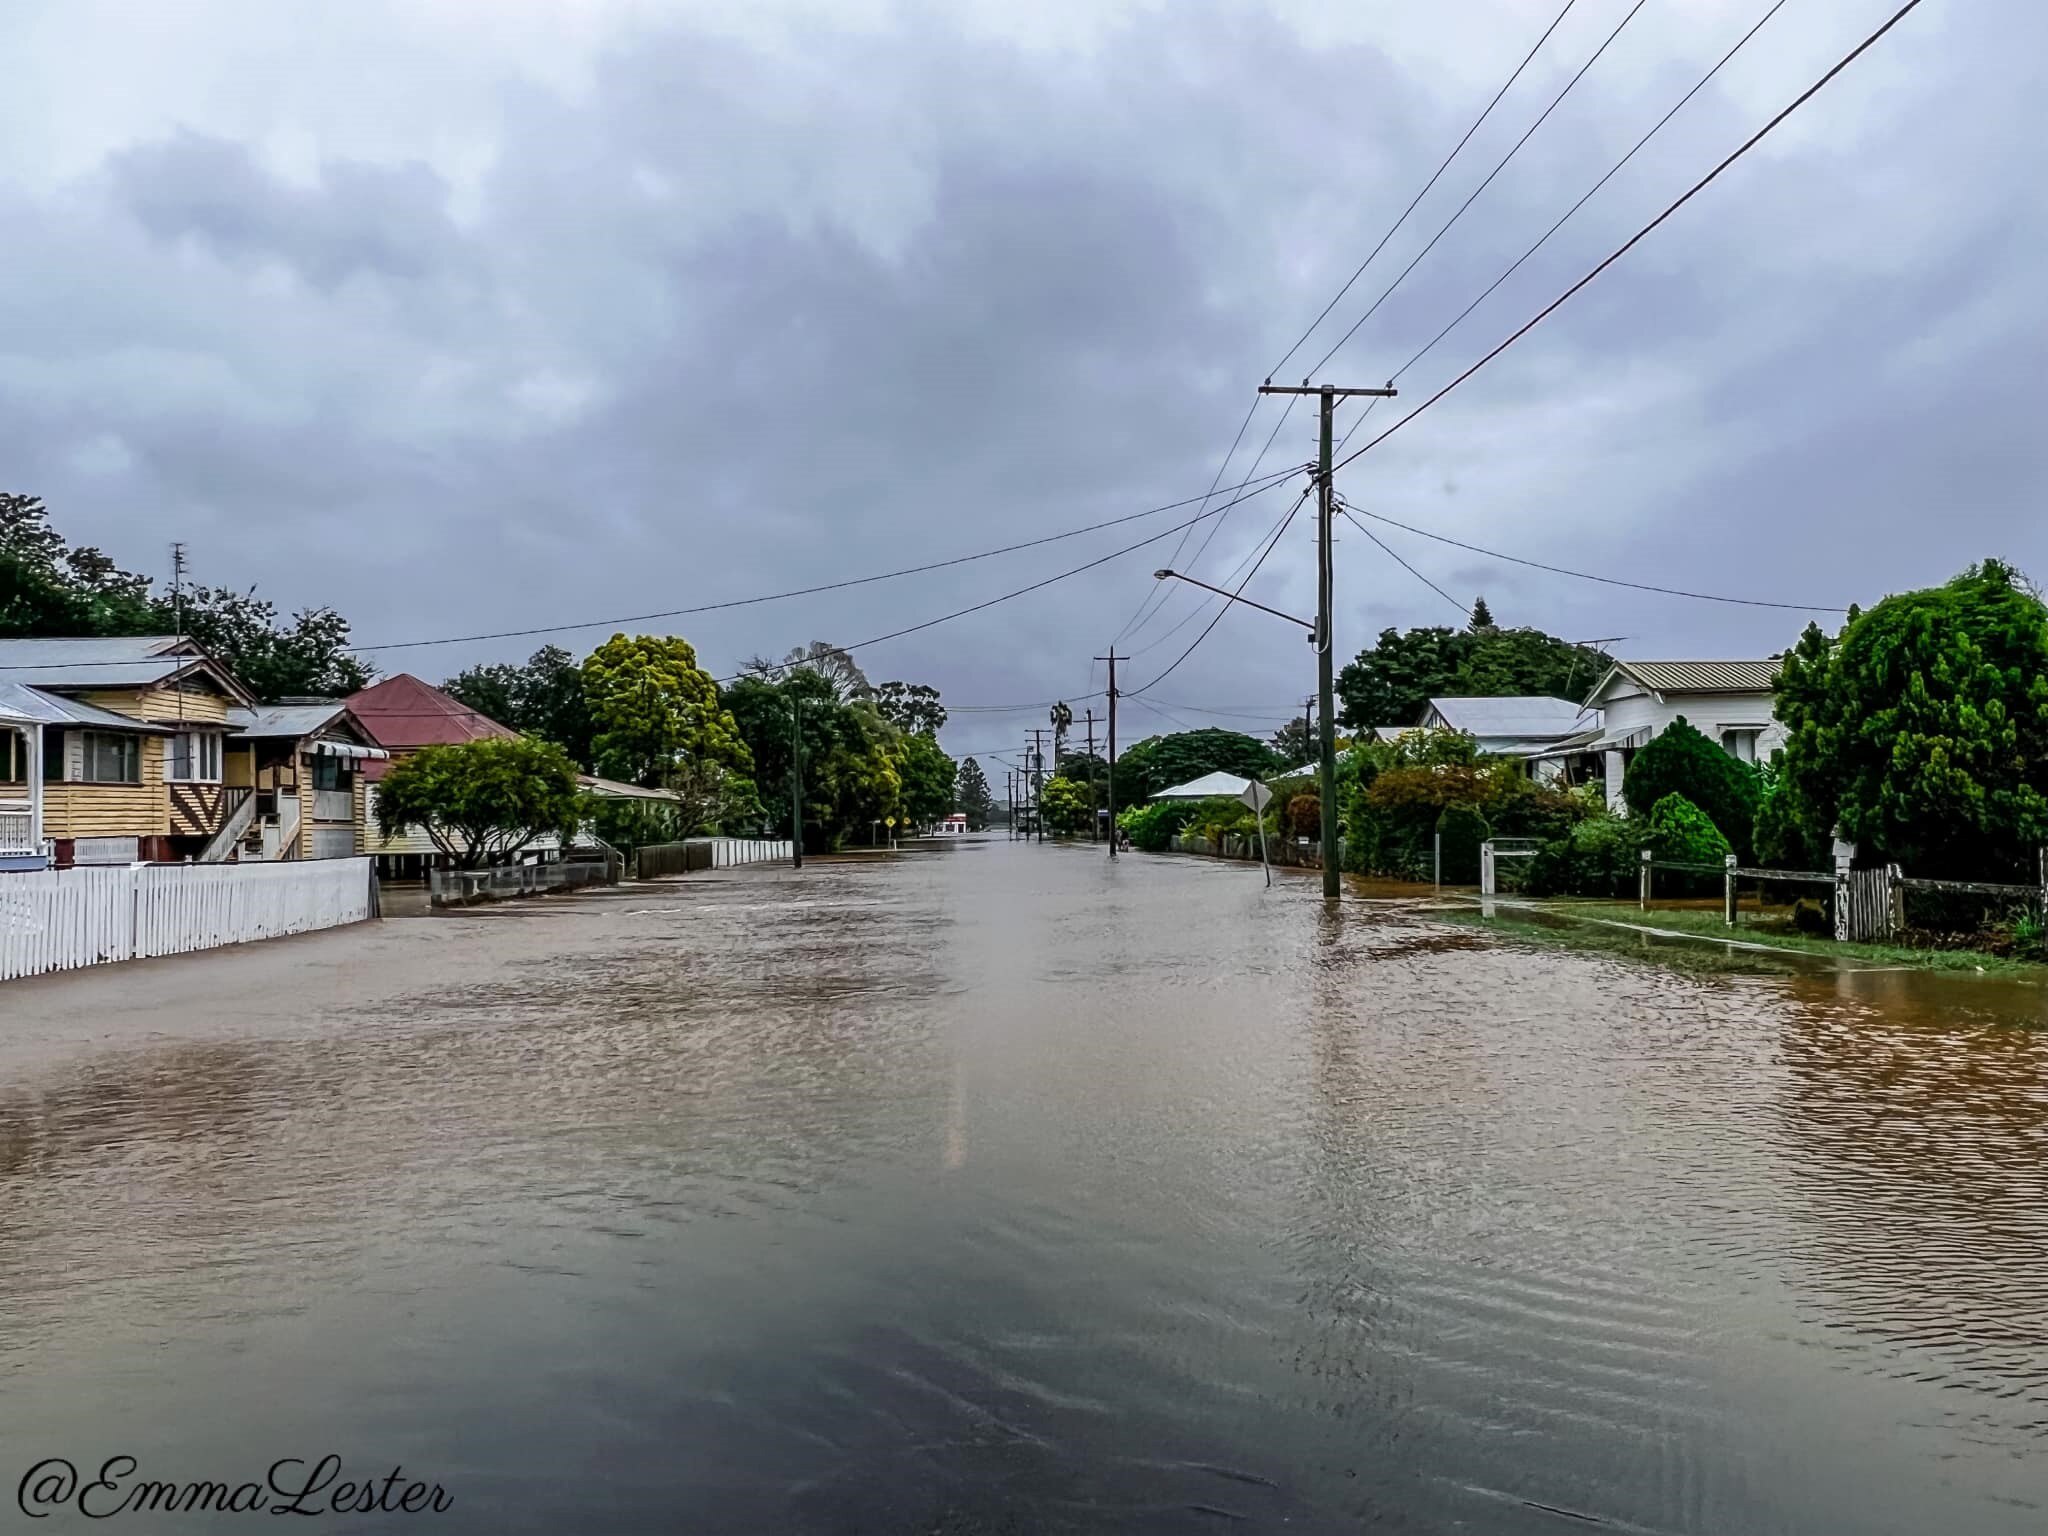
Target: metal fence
x,y
661,859
62,919
506,882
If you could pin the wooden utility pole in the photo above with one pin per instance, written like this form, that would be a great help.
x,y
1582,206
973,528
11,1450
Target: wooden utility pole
x,y
796,781
1326,722
1110,794
1094,820
1038,781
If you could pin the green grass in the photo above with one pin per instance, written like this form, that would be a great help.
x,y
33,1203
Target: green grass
x,y
1708,924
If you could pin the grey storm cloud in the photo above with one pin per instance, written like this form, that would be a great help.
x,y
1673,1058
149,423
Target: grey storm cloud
x,y
746,311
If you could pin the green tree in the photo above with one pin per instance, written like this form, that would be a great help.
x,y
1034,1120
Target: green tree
x,y
1922,729
850,775
655,712
1066,805
927,776
1681,832
1681,761
1460,829
543,698
827,660
481,802
1160,762
972,797
307,658
913,708
1392,682
48,589
1294,742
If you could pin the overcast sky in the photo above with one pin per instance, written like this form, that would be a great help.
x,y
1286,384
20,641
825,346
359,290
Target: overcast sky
x,y
465,315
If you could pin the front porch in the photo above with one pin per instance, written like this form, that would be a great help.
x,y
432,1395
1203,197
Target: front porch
x,y
22,844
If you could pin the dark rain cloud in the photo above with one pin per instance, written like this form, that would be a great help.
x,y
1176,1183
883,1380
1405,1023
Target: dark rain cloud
x,y
736,315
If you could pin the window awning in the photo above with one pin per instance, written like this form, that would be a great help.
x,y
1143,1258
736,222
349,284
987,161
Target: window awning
x,y
1637,736
349,751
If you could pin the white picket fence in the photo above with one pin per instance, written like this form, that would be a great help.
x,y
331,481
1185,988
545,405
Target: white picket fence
x,y
60,919
726,852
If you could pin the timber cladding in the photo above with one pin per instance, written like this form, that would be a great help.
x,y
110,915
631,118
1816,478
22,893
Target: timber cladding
x,y
72,810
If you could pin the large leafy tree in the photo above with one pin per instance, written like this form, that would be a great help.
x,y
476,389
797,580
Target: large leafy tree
x,y
1922,729
1392,682
928,777
827,660
850,774
543,698
971,795
49,589
655,712
481,802
1684,762
1160,762
306,658
1066,805
913,708
1295,742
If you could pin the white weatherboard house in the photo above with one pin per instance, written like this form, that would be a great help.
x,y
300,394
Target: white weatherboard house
x,y
1726,701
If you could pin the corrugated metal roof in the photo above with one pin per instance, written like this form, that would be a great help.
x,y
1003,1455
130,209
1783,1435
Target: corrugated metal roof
x,y
292,720
1519,718
1207,787
612,789
21,702
134,662
1702,676
403,712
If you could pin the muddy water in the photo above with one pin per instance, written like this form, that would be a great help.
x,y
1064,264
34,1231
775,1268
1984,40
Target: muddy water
x,y
1003,1189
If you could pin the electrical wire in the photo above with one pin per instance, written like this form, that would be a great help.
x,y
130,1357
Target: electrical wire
x,y
1469,201
831,586
1609,581
1543,239
1640,235
1396,558
959,613
1437,175
1159,600
1271,544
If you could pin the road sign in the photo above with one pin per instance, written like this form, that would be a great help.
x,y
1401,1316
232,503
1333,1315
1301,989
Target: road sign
x,y
1256,795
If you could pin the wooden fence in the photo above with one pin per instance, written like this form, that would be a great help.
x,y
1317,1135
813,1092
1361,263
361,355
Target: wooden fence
x,y
61,919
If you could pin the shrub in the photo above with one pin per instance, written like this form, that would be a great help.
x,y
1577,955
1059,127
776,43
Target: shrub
x,y
1681,833
1599,857
1305,817
1810,916
1152,827
1683,762
1460,830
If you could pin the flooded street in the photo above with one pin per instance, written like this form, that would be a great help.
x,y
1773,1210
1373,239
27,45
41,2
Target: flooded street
x,y
1000,1188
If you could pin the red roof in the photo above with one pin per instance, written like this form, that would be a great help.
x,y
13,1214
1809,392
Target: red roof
x,y
402,713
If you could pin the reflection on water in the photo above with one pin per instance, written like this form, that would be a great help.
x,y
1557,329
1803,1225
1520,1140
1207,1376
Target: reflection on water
x,y
1006,1188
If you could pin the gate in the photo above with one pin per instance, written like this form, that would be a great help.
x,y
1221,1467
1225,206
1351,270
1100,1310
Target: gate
x,y
1863,905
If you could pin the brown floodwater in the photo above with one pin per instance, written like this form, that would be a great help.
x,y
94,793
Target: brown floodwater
x,y
998,1188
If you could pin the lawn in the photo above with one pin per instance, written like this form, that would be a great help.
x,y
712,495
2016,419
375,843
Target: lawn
x,y
1707,923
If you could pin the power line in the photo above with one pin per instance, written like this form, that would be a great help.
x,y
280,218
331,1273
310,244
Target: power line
x,y
1609,581
1201,602
1630,244
1394,228
1543,239
1503,165
1271,544
1159,600
959,613
834,586
1393,555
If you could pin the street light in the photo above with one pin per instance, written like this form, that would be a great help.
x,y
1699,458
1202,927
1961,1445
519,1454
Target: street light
x,y
1164,575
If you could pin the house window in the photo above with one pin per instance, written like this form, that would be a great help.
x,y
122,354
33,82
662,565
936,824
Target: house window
x,y
331,772
1739,742
13,757
106,757
193,757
